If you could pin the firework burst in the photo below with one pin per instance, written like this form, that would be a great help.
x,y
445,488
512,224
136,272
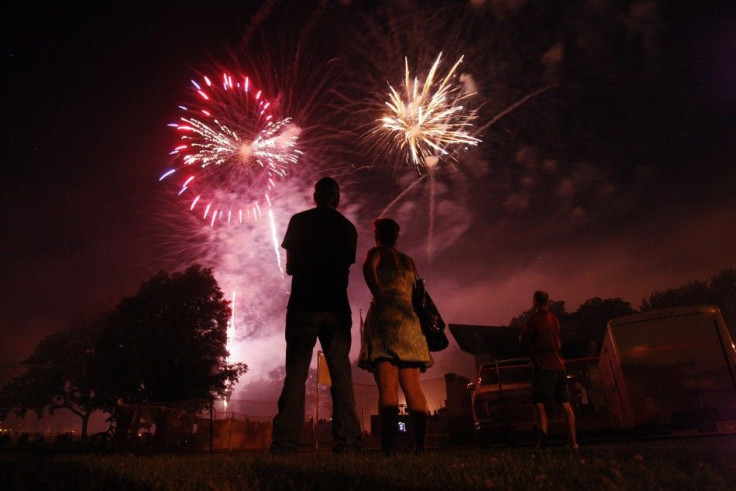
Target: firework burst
x,y
427,120
231,150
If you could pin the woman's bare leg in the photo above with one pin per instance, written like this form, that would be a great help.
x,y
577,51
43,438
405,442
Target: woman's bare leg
x,y
417,405
409,380
387,380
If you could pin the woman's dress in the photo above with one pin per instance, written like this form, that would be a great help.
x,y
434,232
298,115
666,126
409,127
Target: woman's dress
x,y
392,331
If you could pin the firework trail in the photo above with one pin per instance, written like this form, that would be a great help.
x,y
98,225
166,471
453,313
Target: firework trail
x,y
231,150
427,119
432,213
400,196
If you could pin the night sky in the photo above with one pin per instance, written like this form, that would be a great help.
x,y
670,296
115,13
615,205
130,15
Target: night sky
x,y
617,182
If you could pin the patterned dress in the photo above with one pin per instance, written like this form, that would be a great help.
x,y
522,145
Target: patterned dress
x,y
392,331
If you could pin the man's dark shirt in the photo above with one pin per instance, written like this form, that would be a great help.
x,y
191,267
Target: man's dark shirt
x,y
321,244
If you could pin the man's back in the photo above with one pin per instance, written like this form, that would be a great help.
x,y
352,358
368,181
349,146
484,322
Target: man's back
x,y
321,245
542,333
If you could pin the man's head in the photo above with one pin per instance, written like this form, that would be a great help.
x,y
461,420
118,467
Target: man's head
x,y
541,299
327,192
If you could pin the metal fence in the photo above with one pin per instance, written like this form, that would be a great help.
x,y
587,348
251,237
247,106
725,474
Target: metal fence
x,y
494,409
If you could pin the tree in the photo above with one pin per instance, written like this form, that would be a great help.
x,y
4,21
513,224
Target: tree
x,y
58,375
694,293
168,342
584,329
720,291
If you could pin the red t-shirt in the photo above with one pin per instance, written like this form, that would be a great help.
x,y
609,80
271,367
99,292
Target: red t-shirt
x,y
542,335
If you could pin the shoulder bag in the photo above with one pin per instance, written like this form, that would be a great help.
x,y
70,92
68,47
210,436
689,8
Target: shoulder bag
x,y
433,327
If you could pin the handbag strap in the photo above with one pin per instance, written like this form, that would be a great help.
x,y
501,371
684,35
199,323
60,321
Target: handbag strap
x,y
416,275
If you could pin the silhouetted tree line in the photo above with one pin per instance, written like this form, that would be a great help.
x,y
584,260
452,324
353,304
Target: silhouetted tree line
x,y
584,329
166,343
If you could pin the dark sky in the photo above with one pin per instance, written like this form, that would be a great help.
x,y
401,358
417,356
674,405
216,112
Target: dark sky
x,y
618,184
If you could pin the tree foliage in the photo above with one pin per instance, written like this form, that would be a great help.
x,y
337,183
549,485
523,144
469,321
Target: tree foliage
x,y
58,374
719,291
168,342
584,329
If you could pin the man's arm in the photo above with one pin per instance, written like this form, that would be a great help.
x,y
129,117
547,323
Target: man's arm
x,y
526,332
291,238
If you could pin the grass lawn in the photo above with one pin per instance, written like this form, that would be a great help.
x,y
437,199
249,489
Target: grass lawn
x,y
692,463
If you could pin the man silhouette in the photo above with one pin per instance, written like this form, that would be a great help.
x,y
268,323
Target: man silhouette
x,y
320,246
549,384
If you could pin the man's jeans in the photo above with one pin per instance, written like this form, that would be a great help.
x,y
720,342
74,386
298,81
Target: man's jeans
x,y
303,328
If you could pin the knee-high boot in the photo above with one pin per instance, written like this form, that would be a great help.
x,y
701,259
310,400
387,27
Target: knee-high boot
x,y
389,425
418,421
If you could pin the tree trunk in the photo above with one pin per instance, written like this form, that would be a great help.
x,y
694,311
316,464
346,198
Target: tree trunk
x,y
85,422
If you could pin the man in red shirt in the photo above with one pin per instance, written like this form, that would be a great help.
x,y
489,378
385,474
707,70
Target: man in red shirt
x,y
542,335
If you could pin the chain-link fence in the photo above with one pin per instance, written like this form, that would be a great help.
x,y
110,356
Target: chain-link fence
x,y
197,425
496,408
179,426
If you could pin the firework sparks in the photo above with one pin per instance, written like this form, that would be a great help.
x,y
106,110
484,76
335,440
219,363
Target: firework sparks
x,y
231,150
427,120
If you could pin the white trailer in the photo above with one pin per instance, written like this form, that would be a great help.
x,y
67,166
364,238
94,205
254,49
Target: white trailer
x,y
672,367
